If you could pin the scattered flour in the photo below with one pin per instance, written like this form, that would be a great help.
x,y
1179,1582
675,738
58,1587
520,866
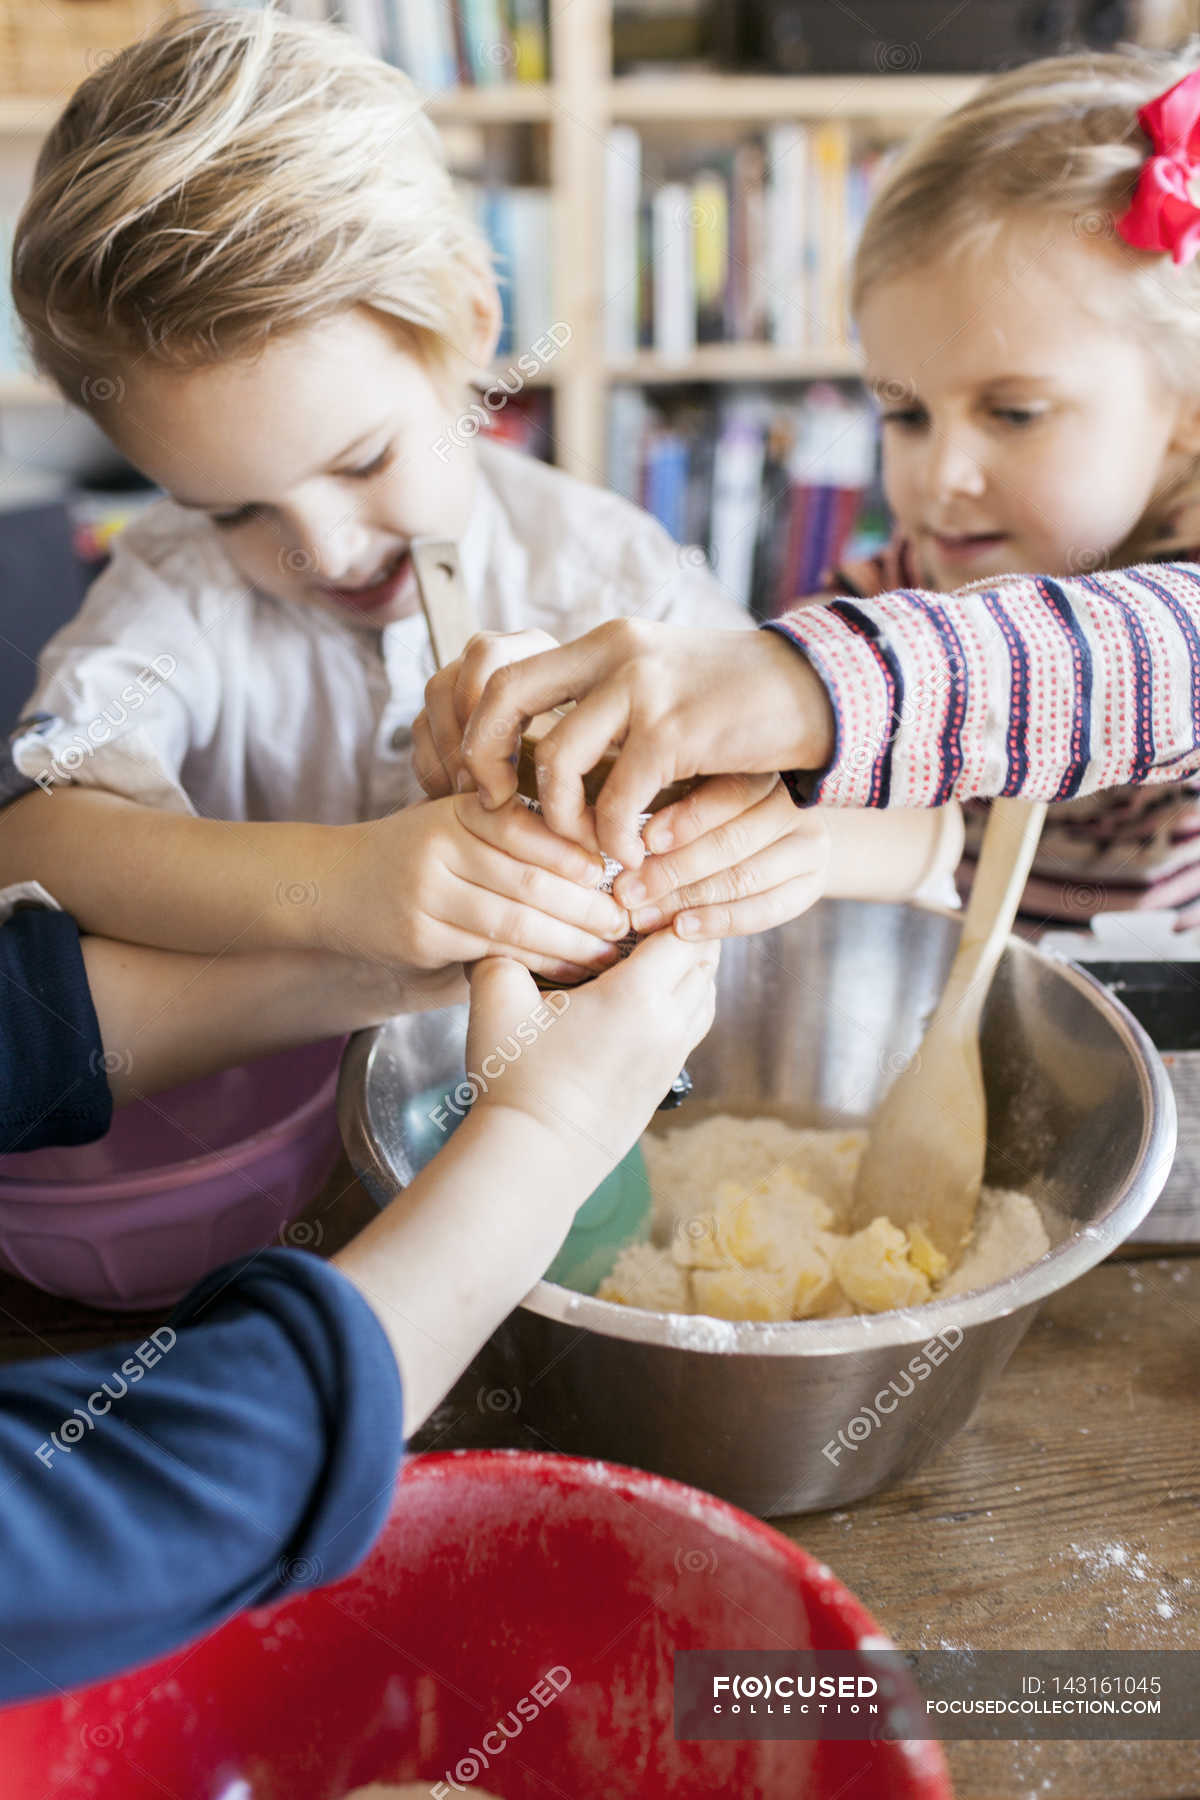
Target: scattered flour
x,y
746,1225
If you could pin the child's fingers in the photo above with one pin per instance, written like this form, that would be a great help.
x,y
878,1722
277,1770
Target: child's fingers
x,y
665,964
644,766
525,836
484,924
787,859
520,691
484,654
428,766
709,805
512,902
726,848
570,751
502,993
437,737
754,913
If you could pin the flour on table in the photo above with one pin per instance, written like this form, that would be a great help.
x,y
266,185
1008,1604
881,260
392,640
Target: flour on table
x,y
746,1223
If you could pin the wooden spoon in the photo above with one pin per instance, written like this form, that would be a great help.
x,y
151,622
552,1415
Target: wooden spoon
x,y
923,1163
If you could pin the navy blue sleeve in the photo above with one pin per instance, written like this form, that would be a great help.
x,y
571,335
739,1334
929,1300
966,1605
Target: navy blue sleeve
x,y
244,1450
53,1083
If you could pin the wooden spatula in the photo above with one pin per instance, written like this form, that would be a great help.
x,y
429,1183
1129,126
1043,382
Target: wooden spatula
x,y
923,1164
445,602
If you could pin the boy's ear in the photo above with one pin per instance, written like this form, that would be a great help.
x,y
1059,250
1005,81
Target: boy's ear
x,y
487,317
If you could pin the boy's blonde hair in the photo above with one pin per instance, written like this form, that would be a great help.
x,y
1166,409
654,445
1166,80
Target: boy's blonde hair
x,y
229,177
1056,143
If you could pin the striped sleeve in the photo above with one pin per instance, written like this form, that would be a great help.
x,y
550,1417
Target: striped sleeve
x,y
1027,686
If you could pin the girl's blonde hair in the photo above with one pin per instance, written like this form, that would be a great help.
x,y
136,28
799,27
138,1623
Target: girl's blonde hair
x,y
1057,143
1056,140
231,176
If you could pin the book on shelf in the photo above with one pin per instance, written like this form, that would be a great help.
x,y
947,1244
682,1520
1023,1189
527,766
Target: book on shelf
x,y
771,486
622,200
441,43
673,266
516,222
744,244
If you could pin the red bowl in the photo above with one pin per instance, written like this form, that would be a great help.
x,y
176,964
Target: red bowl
x,y
495,1567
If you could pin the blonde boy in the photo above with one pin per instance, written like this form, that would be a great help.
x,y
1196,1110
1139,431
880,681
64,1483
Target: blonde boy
x,y
243,255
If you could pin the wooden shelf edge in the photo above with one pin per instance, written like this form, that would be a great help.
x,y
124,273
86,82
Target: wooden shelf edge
x,y
28,390
735,362
645,99
29,115
513,102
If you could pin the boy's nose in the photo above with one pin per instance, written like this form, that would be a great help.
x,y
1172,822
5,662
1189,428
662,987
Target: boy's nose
x,y
340,548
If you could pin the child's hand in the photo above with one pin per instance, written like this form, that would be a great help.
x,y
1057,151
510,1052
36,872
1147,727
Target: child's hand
x,y
599,1059
735,856
452,696
448,882
679,701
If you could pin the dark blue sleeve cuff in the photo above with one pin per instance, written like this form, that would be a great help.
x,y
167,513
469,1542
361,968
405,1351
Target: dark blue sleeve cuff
x,y
53,1084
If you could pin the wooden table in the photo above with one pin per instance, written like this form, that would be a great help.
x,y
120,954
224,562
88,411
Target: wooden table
x,y
1065,1516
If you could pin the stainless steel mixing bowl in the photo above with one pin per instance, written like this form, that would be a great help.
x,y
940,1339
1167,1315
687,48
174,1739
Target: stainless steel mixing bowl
x,y
812,1021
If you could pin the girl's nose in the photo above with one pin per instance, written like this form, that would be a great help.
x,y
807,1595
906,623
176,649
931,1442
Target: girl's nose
x,y
955,469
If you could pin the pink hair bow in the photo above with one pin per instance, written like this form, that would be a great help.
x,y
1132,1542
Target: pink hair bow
x,y
1165,211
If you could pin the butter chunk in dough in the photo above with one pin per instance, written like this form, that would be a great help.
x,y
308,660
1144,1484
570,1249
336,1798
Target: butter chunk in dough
x,y
874,1271
742,1293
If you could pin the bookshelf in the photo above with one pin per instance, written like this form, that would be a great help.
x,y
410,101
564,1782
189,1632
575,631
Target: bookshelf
x,y
575,109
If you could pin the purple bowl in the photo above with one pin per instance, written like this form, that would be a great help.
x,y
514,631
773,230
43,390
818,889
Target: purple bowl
x,y
184,1181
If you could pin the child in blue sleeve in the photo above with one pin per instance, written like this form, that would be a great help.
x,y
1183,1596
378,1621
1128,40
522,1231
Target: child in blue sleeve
x,y
249,1446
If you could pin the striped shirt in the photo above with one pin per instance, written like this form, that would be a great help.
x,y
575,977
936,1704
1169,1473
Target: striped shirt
x,y
1082,691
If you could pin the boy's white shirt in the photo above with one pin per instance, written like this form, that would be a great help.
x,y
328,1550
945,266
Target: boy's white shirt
x,y
181,686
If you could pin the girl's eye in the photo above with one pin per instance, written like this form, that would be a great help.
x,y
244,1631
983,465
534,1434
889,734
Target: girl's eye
x,y
1017,415
373,467
911,418
242,516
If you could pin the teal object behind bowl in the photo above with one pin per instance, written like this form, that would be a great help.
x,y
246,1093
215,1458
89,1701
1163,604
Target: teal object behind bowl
x,y
618,1210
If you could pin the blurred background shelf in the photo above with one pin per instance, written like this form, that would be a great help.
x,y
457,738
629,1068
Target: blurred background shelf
x,y
27,115
508,103
26,390
702,99
736,363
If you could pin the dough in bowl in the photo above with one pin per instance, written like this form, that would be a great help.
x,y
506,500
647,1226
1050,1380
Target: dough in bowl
x,y
748,1222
